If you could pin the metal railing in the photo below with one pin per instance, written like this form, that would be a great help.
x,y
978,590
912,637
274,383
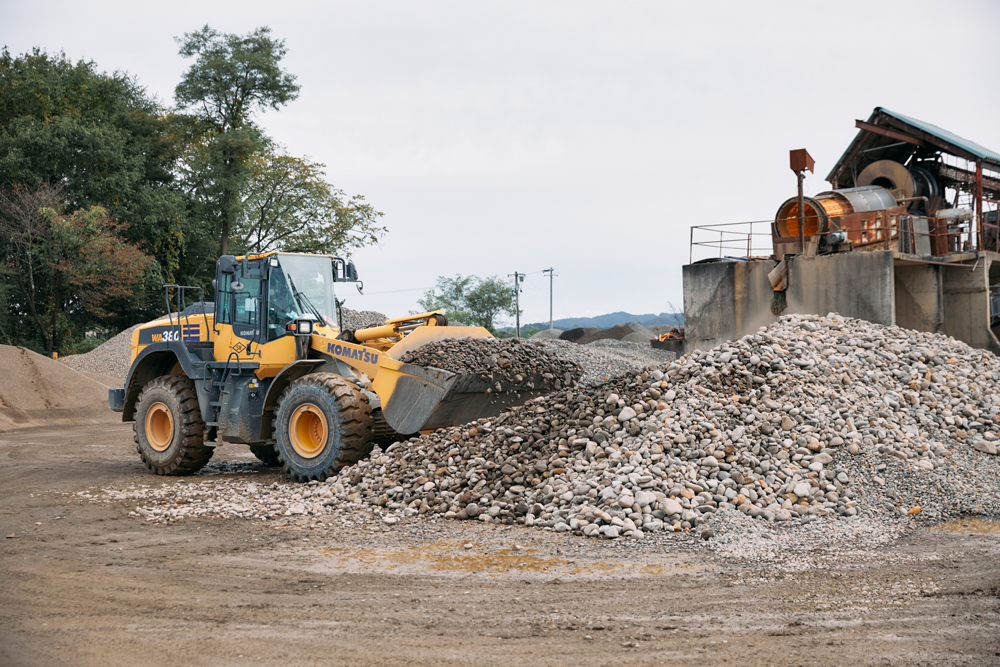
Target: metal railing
x,y
883,231
737,237
176,295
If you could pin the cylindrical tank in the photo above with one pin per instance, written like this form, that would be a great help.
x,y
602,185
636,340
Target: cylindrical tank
x,y
826,205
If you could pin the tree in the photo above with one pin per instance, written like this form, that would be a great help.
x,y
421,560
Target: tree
x,y
471,300
289,206
106,143
66,268
232,77
451,299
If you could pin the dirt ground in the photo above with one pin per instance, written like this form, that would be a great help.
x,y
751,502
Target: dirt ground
x,y
81,583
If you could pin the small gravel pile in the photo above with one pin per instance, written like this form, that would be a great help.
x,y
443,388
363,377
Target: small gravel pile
x,y
112,357
605,359
576,334
547,334
618,332
361,319
500,362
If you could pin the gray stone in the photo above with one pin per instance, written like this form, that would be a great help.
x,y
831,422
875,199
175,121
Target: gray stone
x,y
985,446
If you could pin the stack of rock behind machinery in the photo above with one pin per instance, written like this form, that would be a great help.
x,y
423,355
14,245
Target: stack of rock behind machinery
x,y
808,418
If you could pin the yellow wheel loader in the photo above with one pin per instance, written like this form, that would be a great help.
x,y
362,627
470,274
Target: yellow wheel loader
x,y
267,364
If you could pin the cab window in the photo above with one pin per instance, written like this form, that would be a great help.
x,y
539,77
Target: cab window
x,y
225,307
281,305
246,302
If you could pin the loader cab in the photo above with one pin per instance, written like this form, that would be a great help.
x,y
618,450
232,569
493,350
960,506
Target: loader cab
x,y
259,296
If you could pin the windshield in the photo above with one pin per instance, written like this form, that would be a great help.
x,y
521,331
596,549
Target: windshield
x,y
304,286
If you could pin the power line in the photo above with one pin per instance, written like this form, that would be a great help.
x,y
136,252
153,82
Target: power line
x,y
392,291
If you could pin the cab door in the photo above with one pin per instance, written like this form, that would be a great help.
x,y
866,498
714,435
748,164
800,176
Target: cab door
x,y
243,319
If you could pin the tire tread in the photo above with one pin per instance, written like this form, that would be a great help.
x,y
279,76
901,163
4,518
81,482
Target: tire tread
x,y
193,453
355,421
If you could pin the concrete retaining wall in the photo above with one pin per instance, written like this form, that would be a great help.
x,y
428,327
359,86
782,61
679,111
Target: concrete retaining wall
x,y
727,300
856,284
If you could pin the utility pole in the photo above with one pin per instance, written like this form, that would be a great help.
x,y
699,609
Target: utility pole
x,y
551,276
518,279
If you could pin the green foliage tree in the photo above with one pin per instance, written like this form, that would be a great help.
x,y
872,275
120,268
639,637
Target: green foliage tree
x,y
232,77
67,268
171,186
107,143
290,206
471,300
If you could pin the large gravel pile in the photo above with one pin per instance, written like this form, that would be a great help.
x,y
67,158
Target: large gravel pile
x,y
848,424
504,362
813,417
112,357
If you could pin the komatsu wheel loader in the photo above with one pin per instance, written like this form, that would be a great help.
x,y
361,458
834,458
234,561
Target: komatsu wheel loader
x,y
266,364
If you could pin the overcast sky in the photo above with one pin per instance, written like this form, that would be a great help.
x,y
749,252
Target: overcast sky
x,y
584,136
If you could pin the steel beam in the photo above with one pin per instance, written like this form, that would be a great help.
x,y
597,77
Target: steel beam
x,y
885,132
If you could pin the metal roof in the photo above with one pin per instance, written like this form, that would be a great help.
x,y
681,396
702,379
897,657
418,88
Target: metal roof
x,y
888,135
945,135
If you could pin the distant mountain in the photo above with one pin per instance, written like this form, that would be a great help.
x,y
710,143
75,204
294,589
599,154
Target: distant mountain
x,y
610,320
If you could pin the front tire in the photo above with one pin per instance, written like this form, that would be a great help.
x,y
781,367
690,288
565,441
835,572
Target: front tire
x,y
169,431
322,423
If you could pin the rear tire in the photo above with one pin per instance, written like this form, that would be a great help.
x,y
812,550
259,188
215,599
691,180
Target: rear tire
x,y
169,431
267,454
322,423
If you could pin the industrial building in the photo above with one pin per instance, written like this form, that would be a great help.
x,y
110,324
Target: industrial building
x,y
907,235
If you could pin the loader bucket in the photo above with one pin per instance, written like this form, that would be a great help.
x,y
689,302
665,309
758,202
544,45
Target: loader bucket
x,y
416,398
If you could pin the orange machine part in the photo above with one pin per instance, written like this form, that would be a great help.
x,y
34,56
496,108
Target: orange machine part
x,y
831,207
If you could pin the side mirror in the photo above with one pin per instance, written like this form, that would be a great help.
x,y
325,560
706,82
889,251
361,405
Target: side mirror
x,y
352,272
215,285
227,265
244,269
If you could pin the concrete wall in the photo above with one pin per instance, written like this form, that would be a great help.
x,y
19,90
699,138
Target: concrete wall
x,y
966,303
854,284
725,300
918,296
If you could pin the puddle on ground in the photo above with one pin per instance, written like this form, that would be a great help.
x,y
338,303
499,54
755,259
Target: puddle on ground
x,y
970,525
453,558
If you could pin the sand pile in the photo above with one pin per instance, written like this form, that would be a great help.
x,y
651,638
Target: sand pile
x,y
38,391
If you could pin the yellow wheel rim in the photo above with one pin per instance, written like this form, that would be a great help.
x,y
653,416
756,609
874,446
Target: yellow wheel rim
x,y
307,431
159,426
